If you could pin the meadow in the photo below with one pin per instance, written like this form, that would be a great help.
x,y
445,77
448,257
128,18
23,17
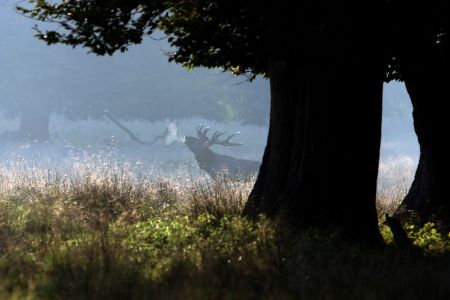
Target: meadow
x,y
90,221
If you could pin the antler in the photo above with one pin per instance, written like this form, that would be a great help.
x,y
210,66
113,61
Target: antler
x,y
202,130
226,142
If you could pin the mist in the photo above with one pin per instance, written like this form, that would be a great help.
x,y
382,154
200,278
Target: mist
x,y
53,102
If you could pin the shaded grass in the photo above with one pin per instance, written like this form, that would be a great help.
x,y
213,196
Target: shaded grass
x,y
116,238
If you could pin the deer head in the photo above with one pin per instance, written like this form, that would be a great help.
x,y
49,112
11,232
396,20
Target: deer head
x,y
201,143
212,162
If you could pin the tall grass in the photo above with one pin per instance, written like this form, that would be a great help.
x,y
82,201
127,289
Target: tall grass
x,y
394,180
100,218
104,229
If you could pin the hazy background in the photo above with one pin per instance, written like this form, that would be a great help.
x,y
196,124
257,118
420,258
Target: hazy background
x,y
67,91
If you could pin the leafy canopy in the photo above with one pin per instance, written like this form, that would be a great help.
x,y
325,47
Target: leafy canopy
x,y
205,33
244,36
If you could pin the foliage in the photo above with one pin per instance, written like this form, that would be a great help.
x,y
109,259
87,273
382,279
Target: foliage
x,y
205,33
238,36
429,237
112,238
139,84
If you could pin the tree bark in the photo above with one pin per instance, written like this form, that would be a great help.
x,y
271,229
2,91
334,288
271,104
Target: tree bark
x,y
425,68
415,198
320,164
321,160
426,80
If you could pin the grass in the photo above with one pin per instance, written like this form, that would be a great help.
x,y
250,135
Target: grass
x,y
106,234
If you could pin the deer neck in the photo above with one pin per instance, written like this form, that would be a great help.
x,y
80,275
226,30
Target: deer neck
x,y
205,158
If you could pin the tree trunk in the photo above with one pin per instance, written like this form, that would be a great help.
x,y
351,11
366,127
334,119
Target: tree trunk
x,y
427,87
321,160
426,72
320,164
34,125
428,195
415,198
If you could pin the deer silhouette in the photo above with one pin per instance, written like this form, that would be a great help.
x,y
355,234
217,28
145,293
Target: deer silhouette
x,y
214,164
217,164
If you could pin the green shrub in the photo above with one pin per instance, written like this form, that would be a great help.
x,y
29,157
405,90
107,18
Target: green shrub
x,y
110,238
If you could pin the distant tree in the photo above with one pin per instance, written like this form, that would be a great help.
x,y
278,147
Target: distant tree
x,y
26,91
326,69
37,81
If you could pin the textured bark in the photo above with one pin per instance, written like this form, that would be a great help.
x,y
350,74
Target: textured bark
x,y
426,72
415,198
321,161
320,164
426,84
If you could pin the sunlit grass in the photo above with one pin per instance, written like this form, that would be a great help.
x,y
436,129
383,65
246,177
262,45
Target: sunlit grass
x,y
99,228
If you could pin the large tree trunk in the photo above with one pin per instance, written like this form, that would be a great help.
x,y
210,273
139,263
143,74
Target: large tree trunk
x,y
426,80
415,198
321,161
425,69
320,164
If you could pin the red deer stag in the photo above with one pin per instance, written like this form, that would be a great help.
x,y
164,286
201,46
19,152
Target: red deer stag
x,y
215,164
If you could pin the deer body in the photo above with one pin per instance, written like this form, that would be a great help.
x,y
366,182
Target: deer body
x,y
215,164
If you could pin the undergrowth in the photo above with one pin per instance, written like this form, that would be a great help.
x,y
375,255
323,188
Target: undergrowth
x,y
115,238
